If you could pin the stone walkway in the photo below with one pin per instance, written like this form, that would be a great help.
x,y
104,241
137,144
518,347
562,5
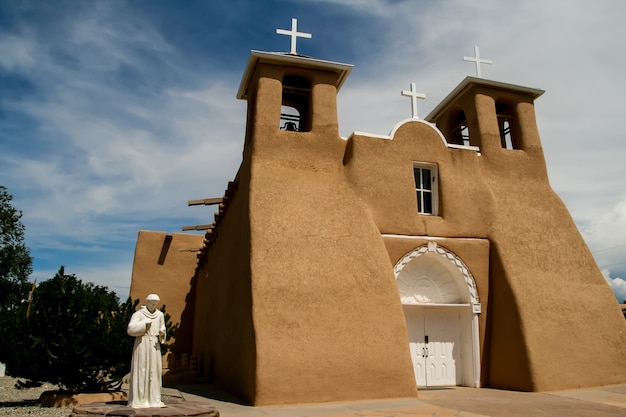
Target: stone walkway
x,y
458,401
208,401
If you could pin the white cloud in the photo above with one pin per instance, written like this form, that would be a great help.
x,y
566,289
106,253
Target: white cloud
x,y
604,230
115,151
618,285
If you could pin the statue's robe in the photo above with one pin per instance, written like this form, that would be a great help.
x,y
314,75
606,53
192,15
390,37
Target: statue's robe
x,y
146,364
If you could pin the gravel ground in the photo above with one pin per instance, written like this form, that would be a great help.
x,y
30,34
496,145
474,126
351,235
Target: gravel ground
x,y
23,402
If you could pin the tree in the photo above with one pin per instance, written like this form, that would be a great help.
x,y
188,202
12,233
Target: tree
x,y
74,337
15,259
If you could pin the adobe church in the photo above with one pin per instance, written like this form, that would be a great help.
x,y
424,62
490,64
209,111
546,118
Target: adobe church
x,y
364,268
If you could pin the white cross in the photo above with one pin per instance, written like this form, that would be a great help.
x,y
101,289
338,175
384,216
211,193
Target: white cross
x,y
414,96
477,60
294,34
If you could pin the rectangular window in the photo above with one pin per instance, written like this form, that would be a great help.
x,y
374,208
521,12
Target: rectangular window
x,y
426,188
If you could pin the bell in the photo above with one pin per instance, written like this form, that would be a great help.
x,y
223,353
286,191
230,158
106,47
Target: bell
x,y
291,126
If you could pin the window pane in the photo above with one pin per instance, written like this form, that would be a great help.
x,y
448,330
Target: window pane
x,y
419,202
426,178
418,177
428,203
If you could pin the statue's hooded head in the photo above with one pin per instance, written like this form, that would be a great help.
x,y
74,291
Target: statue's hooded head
x,y
151,301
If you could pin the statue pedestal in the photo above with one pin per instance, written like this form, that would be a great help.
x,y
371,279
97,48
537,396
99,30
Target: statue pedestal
x,y
117,408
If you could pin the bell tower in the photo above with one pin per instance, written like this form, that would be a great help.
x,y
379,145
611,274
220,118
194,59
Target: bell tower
x,y
490,115
292,102
306,248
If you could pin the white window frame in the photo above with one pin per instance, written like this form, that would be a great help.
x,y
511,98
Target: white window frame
x,y
434,187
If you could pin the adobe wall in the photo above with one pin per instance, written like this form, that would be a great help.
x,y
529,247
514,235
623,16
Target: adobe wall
x,y
165,265
381,172
224,333
327,317
565,308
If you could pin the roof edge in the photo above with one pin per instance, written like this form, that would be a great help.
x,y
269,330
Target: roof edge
x,y
257,57
469,82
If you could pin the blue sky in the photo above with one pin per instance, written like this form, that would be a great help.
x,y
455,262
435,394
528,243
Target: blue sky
x,y
114,113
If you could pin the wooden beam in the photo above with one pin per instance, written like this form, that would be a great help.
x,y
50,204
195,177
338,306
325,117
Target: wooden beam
x,y
198,227
205,201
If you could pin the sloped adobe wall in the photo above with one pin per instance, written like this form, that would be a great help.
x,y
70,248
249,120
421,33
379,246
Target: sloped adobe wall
x,y
327,318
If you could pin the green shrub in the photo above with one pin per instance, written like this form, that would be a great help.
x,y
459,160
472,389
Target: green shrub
x,y
74,336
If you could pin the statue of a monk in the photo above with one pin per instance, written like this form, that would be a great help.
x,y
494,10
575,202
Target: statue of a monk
x,y
147,325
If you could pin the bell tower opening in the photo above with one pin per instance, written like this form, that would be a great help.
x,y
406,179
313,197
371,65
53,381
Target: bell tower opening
x,y
295,114
289,94
507,125
459,129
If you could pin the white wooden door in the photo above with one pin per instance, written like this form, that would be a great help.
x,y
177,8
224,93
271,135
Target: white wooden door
x,y
434,341
415,328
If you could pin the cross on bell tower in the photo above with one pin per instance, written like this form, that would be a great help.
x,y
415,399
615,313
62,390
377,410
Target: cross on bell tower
x,y
477,60
294,34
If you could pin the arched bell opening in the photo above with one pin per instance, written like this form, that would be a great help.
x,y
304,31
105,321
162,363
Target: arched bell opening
x,y
510,137
296,104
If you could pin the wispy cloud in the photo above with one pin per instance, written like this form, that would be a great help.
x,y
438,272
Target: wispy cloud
x,y
617,284
118,139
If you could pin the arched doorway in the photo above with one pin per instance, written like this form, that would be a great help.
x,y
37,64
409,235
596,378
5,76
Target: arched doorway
x,y
441,308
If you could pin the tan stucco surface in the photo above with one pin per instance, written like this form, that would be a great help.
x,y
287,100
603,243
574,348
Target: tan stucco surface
x,y
224,334
165,265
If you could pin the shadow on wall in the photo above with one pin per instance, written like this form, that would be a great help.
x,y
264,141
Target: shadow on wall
x,y
505,358
181,364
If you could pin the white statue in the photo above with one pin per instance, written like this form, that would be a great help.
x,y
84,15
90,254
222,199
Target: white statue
x,y
148,326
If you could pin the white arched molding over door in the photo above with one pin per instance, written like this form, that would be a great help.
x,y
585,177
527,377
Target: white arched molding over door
x,y
433,276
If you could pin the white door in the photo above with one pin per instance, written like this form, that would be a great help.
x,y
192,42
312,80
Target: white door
x,y
435,344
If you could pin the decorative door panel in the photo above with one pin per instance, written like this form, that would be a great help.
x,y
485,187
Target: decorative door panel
x,y
442,329
434,341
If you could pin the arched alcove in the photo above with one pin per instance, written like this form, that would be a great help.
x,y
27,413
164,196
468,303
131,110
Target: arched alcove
x,y
429,281
440,266
441,307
